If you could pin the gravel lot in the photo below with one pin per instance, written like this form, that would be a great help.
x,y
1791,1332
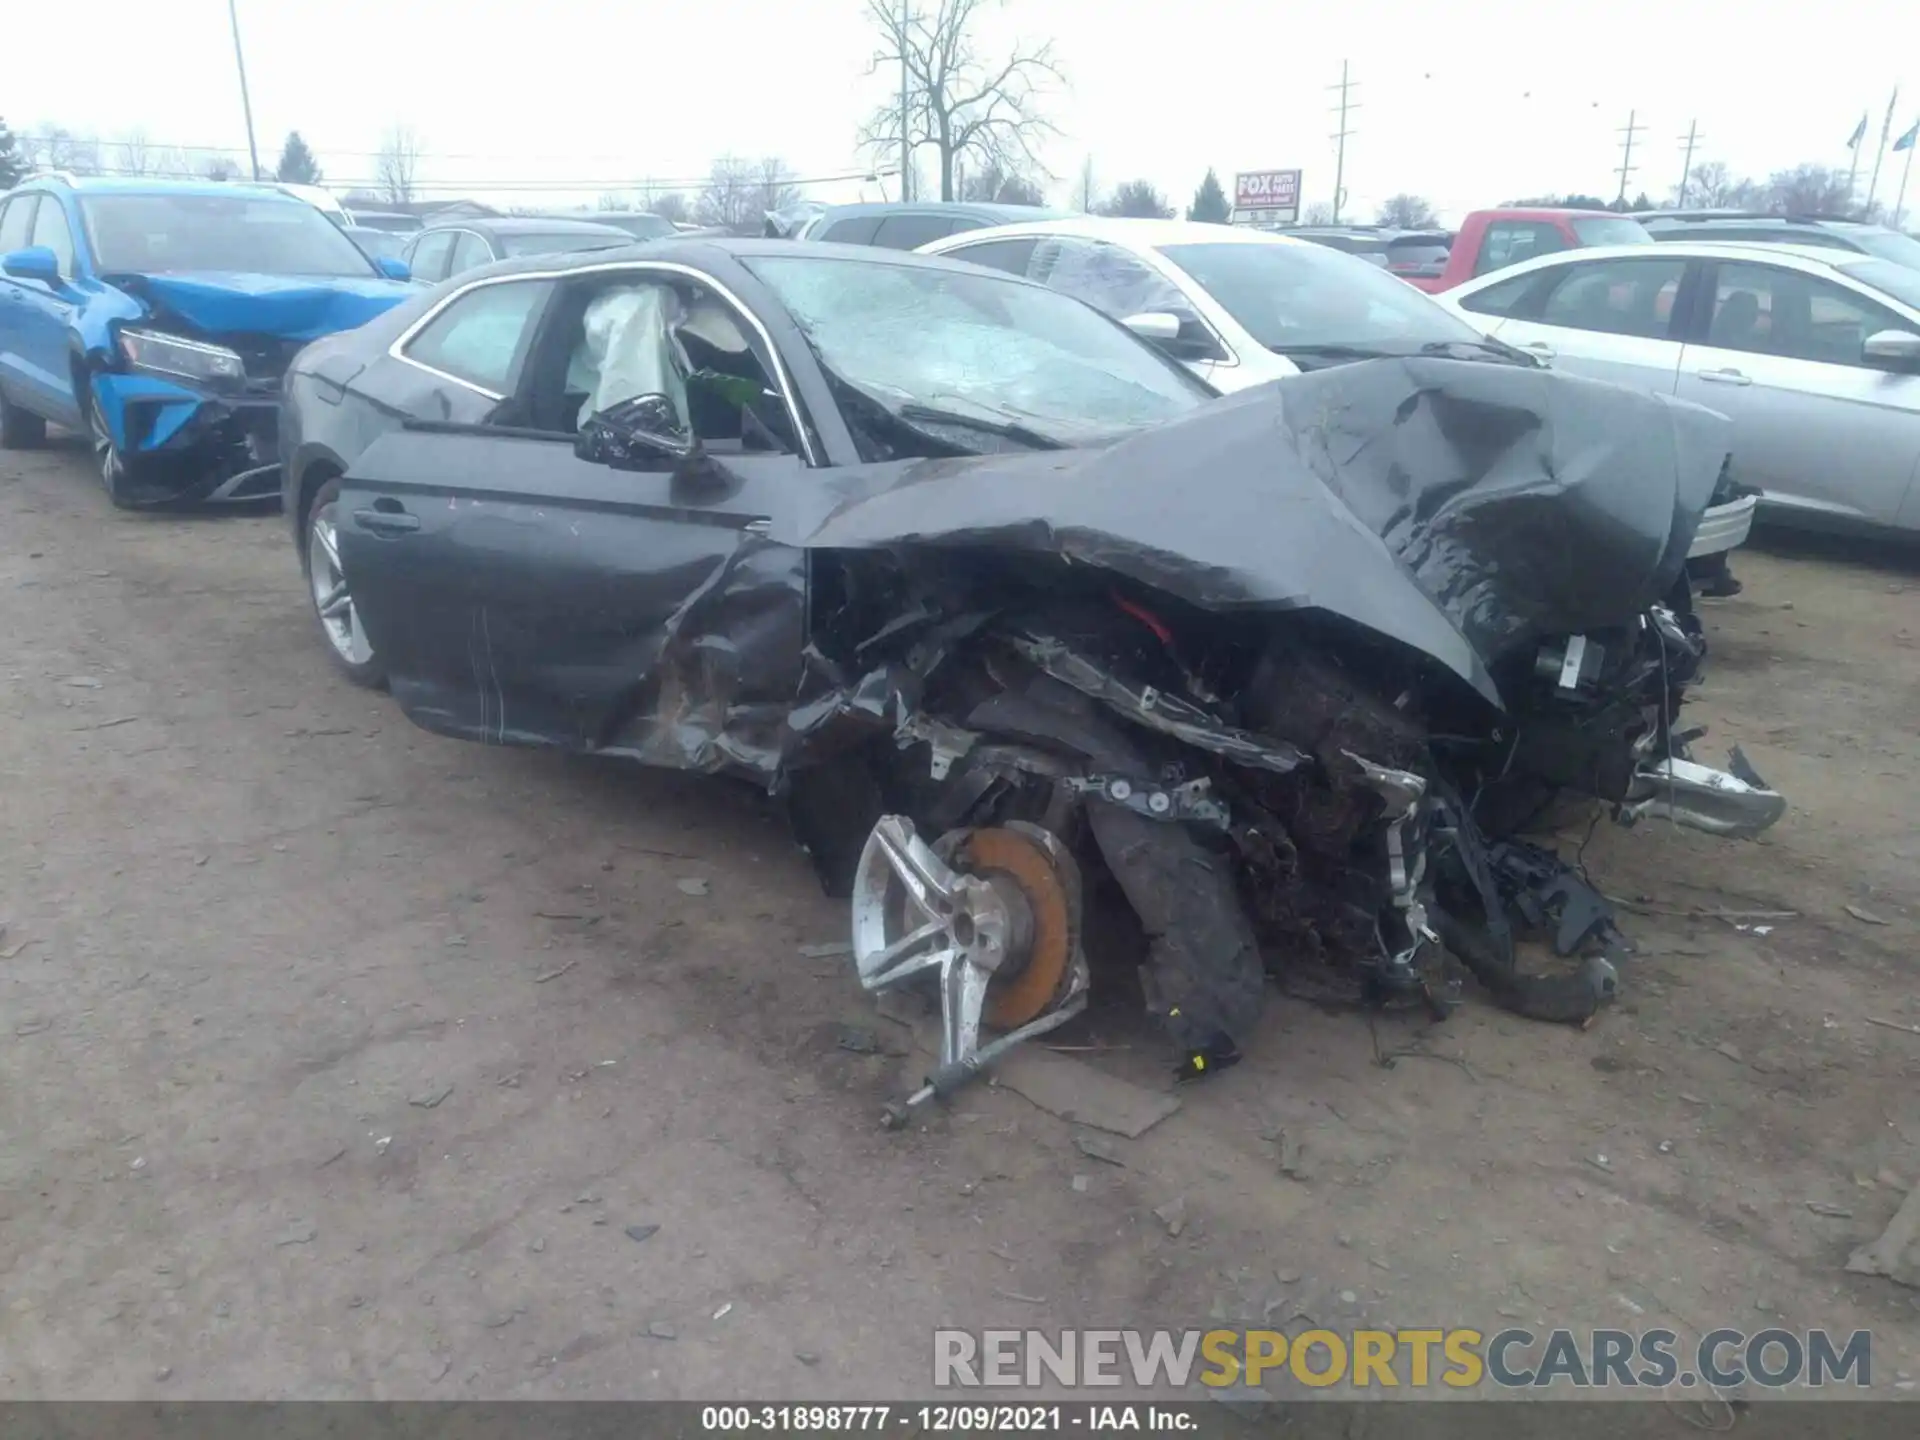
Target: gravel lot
x,y
338,1059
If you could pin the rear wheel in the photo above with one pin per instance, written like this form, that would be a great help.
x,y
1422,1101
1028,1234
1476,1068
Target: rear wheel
x,y
347,642
20,429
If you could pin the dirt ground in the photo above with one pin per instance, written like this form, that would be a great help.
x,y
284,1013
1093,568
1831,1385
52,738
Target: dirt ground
x,y
337,1059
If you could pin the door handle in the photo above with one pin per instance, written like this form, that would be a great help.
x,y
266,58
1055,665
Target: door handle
x,y
756,527
386,522
1724,377
1538,347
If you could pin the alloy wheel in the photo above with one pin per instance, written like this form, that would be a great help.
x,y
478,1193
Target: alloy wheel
x,y
331,598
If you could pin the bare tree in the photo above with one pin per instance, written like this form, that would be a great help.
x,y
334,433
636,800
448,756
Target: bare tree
x,y
612,203
1086,191
777,191
1139,199
1408,212
958,101
1320,212
397,168
669,205
731,197
137,154
1810,190
995,186
220,168
58,148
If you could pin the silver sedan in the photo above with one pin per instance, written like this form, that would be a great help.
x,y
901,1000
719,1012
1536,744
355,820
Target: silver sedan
x,y
1814,354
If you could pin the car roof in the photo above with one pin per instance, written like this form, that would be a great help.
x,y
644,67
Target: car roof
x,y
986,210
137,185
702,252
526,225
1554,212
1811,257
1755,217
1142,234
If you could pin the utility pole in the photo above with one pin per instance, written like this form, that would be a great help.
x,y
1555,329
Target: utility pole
x,y
1686,165
906,144
246,105
1344,108
1627,166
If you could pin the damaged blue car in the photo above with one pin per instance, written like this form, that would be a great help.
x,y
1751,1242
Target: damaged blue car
x,y
158,318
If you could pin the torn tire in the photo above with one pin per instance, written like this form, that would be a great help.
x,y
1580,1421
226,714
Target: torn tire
x,y
1206,980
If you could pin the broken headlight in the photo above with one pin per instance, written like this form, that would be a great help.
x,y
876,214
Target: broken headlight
x,y
188,359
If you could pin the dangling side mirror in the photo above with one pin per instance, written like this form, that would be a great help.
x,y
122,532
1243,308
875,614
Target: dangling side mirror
x,y
644,433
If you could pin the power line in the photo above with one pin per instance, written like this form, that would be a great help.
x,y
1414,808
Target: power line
x,y
1627,167
1340,139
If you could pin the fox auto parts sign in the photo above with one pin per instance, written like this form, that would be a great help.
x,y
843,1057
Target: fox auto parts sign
x,y
1266,197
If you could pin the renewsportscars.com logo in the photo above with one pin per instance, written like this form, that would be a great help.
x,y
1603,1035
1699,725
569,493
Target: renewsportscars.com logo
x,y
1459,1359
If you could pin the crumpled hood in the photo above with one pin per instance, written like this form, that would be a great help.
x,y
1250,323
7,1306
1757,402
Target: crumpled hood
x,y
289,307
1464,508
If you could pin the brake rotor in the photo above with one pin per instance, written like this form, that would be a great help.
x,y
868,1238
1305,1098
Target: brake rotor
x,y
1033,863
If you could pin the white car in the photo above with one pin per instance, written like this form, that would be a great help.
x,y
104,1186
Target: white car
x,y
1240,307
1237,307
1813,353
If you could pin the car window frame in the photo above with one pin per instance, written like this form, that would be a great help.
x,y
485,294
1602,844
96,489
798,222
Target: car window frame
x,y
1222,353
954,225
963,251
850,230
783,376
423,238
27,200
462,236
1480,262
1859,294
1679,316
516,362
50,205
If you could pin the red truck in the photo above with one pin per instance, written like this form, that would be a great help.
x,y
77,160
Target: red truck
x,y
1490,239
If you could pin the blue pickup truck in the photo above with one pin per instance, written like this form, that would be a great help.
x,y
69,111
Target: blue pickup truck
x,y
158,317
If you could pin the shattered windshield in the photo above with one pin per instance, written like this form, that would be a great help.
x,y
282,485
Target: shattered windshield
x,y
1292,297
920,340
159,234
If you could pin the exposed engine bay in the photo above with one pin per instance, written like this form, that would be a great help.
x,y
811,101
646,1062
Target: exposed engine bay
x,y
1277,788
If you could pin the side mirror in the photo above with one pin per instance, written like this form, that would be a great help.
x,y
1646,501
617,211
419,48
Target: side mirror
x,y
36,262
1891,349
393,267
1155,325
644,433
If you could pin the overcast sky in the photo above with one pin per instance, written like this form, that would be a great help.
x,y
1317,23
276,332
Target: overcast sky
x,y
1468,103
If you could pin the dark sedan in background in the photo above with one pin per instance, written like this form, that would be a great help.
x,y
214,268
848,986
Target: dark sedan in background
x,y
453,247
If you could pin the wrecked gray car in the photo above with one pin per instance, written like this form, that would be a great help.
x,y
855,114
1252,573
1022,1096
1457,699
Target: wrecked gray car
x,y
1011,613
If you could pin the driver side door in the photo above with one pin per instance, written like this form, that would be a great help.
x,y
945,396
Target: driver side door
x,y
522,595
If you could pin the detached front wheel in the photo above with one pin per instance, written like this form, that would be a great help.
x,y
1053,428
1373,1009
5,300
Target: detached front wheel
x,y
347,641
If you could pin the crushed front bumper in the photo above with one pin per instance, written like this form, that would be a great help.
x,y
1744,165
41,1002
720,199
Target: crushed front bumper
x,y
182,444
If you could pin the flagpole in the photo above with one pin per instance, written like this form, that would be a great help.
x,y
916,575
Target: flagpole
x,y
1886,130
1900,204
1853,165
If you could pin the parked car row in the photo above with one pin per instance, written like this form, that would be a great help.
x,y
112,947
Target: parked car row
x,y
965,556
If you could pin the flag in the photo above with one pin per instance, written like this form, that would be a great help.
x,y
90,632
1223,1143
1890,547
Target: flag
x,y
1859,133
1905,142
1886,125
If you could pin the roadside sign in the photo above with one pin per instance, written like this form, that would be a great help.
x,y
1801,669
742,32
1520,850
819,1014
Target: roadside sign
x,y
1266,197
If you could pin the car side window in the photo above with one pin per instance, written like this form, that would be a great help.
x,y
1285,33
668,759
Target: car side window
x,y
16,223
430,255
1508,242
469,252
857,230
1617,297
1503,299
481,337
1120,284
1012,256
910,232
1772,311
50,229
